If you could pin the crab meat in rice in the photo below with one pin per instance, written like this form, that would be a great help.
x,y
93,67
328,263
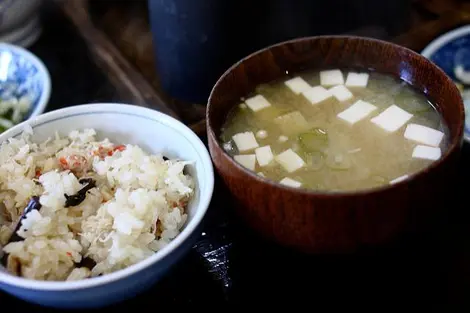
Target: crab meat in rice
x,y
74,163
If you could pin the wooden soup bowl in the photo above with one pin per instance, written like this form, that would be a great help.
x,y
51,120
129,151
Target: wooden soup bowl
x,y
336,221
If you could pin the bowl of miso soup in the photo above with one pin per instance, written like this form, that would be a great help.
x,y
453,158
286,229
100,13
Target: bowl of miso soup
x,y
333,143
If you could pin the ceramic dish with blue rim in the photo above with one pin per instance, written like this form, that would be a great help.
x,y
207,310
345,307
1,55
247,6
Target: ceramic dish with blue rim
x,y
451,52
25,85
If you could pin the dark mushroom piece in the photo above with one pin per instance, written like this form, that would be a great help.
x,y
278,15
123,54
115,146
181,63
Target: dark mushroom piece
x,y
85,181
33,204
78,198
87,262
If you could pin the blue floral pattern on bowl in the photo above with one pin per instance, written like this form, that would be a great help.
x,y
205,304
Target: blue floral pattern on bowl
x,y
23,75
451,52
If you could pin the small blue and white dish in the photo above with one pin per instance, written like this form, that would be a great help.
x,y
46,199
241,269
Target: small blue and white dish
x,y
451,52
25,85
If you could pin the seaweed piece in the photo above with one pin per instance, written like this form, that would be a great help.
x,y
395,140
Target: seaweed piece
x,y
78,198
314,140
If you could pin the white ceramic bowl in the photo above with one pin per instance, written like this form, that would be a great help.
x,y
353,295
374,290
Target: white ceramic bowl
x,y
154,132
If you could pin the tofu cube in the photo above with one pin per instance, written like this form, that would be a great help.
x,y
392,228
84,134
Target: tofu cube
x,y
392,118
257,103
356,112
357,79
398,179
341,93
246,160
297,85
426,152
424,135
264,155
289,160
245,141
291,123
331,78
290,182
317,94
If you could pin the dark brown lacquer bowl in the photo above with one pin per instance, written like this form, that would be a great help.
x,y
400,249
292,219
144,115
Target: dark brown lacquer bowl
x,y
337,222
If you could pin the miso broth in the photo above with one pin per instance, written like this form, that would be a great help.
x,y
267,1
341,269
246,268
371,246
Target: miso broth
x,y
335,130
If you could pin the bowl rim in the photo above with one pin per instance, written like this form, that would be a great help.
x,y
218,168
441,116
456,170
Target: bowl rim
x,y
441,41
191,226
454,145
45,76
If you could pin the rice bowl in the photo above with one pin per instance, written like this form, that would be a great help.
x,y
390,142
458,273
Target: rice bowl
x,y
157,163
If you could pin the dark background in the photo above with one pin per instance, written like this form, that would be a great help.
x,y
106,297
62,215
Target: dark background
x,y
195,42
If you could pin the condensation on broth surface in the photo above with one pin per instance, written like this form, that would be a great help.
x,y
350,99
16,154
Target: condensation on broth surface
x,y
353,157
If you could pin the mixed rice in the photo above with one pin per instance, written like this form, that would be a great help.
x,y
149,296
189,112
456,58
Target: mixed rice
x,y
74,207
